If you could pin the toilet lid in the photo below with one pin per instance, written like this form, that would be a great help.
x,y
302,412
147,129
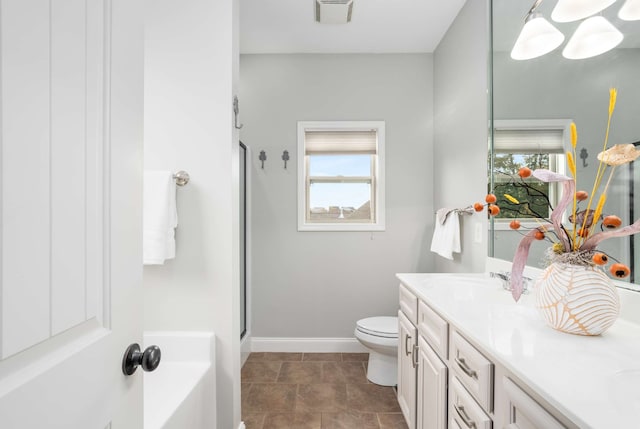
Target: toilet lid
x,y
386,327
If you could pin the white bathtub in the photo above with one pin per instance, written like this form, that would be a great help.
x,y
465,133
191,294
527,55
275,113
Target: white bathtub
x,y
180,393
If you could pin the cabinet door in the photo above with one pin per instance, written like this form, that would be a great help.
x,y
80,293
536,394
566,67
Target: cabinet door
x,y
524,412
432,388
407,369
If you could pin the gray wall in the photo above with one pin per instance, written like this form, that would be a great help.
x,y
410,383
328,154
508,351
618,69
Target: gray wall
x,y
317,284
460,143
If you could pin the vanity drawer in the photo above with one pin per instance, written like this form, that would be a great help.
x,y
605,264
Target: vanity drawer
x,y
434,329
464,412
409,304
524,412
473,369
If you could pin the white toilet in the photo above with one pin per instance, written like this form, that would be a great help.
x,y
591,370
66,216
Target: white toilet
x,y
380,336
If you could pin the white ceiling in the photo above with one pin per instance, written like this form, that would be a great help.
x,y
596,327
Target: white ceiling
x,y
377,26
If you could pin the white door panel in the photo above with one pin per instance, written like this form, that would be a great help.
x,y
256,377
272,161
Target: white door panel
x,y
25,160
70,212
53,189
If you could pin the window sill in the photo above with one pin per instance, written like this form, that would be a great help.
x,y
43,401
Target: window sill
x,y
315,227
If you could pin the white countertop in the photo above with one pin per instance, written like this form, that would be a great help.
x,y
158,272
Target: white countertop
x,y
593,381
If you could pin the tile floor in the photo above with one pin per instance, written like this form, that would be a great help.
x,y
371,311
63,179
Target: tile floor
x,y
315,391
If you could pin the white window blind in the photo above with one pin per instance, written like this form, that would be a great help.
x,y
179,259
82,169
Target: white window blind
x,y
528,141
342,142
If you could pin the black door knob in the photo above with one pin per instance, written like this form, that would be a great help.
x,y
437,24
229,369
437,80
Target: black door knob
x,y
133,357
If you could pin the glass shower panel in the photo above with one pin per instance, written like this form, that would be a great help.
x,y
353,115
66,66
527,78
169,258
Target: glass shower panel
x,y
243,239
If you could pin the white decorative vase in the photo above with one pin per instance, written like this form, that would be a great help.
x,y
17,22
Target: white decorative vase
x,y
577,299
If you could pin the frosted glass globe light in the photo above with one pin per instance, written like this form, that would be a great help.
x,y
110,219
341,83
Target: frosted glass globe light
x,y
594,36
538,37
630,11
573,10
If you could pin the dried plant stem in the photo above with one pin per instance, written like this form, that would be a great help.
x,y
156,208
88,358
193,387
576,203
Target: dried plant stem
x,y
603,198
574,143
575,199
596,239
601,166
606,187
568,190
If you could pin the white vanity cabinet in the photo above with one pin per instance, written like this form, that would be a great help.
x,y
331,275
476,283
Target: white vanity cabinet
x,y
523,412
471,386
422,373
464,411
446,382
407,355
431,400
407,368
473,370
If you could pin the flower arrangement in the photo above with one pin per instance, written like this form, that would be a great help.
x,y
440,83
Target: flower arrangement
x,y
576,242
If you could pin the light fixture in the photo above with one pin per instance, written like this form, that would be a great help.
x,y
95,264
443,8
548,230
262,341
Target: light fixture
x,y
573,10
538,36
630,10
334,11
594,36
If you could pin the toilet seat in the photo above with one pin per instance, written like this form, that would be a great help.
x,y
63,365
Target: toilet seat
x,y
385,327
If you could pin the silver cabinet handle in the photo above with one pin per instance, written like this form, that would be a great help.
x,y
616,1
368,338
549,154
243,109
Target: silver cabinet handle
x,y
414,356
465,368
463,415
406,344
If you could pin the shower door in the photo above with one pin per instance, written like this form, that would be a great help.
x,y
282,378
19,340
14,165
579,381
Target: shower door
x,y
243,240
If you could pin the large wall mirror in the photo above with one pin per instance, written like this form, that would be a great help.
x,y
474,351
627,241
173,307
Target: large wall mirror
x,y
535,100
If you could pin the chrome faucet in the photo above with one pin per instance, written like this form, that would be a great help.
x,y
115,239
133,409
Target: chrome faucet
x,y
501,275
505,277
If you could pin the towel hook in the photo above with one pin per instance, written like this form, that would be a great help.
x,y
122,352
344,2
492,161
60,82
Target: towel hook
x,y
236,111
584,155
263,158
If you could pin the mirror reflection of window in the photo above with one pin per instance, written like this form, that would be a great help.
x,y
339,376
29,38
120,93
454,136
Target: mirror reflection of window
x,y
533,144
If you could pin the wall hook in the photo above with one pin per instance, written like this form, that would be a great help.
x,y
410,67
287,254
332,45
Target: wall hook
x,y
263,158
236,111
584,155
285,158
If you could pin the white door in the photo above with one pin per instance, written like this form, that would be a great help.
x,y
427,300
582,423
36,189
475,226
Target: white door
x,y
70,211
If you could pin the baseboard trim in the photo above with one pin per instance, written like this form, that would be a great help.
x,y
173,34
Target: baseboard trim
x,y
307,345
245,348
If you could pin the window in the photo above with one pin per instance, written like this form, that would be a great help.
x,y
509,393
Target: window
x,y
534,144
341,176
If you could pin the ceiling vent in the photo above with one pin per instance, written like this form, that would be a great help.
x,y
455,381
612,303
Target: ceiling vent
x,y
333,11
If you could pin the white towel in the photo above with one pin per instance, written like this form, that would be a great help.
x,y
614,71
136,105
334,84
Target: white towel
x,y
160,217
446,235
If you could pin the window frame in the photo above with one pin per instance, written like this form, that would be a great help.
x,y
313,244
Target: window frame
x,y
377,177
563,125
